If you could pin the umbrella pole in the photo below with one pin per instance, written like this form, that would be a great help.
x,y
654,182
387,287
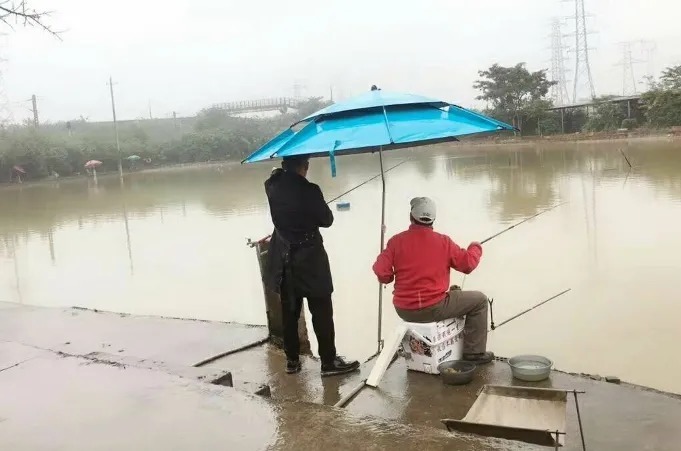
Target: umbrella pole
x,y
380,286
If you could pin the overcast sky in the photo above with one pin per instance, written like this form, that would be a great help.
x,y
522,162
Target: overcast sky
x,y
184,55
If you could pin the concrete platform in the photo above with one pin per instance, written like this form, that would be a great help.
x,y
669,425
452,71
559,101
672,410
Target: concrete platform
x,y
621,417
82,380
71,403
80,332
64,403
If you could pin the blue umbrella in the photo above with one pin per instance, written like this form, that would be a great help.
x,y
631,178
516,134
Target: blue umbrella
x,y
375,122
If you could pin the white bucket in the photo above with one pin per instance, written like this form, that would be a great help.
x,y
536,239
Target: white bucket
x,y
426,345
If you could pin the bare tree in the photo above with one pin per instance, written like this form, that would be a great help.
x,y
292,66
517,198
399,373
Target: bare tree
x,y
18,12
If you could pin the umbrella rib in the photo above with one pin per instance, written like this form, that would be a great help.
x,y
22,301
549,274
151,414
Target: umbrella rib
x,y
387,125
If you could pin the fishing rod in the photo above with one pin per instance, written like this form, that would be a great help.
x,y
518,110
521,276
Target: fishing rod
x,y
521,222
367,181
491,302
350,190
513,227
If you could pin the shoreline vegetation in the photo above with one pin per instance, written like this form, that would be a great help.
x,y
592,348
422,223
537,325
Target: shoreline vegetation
x,y
586,138
512,94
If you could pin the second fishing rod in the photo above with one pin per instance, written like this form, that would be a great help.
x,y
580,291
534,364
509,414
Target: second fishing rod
x,y
513,227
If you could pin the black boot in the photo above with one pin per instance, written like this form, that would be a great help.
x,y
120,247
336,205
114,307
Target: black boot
x,y
481,358
293,366
338,366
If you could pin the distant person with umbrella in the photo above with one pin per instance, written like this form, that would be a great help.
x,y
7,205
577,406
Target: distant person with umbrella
x,y
16,173
298,266
418,260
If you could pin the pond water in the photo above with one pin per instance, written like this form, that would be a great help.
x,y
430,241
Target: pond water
x,y
173,243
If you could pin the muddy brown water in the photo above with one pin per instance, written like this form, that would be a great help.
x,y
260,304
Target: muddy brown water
x,y
173,243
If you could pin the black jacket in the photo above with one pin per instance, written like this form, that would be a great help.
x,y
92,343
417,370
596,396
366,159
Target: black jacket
x,y
296,249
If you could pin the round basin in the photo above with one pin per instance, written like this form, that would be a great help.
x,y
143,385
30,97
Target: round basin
x,y
531,368
456,372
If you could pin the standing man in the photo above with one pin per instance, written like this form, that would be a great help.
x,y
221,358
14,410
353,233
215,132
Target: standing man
x,y
297,263
419,261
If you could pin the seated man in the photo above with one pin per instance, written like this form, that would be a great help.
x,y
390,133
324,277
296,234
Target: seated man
x,y
419,261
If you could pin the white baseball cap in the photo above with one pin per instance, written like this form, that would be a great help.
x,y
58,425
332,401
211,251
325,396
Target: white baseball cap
x,y
423,210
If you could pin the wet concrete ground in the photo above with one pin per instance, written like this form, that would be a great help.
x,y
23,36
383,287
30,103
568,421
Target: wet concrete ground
x,y
149,397
79,331
615,417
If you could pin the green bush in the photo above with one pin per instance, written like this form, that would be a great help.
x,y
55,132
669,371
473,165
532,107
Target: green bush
x,y
629,124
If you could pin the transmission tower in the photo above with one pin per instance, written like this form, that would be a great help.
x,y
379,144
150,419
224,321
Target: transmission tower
x,y
559,91
581,50
298,87
627,63
648,49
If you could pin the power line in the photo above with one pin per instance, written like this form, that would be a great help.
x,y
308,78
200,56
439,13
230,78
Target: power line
x,y
559,91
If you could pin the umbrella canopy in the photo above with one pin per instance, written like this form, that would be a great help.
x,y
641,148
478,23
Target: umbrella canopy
x,y
92,164
133,157
18,169
378,120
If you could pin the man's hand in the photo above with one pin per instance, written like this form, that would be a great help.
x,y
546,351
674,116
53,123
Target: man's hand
x,y
475,243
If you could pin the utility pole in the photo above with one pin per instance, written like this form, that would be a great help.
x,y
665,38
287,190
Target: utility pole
x,y
34,101
559,91
150,116
581,51
331,93
118,144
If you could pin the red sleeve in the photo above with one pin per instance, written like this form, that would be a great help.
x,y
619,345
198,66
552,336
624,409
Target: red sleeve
x,y
383,268
464,261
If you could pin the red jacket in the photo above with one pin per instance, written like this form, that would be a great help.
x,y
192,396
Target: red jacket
x,y
419,260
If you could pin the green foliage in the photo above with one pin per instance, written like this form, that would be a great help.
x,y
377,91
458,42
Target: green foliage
x,y
663,107
629,124
671,78
662,104
515,94
606,116
213,135
311,105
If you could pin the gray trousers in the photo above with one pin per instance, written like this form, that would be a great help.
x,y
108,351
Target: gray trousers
x,y
457,303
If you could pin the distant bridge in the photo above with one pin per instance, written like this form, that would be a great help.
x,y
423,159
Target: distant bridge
x,y
281,104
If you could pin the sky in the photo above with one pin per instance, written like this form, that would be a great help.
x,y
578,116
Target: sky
x,y
184,55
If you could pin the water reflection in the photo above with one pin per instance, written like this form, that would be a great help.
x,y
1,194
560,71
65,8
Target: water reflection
x,y
127,236
172,242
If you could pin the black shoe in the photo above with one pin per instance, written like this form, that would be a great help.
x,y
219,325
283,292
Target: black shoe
x,y
339,366
481,358
293,366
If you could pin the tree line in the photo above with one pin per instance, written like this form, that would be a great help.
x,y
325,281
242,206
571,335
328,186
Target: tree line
x,y
62,149
513,94
521,97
